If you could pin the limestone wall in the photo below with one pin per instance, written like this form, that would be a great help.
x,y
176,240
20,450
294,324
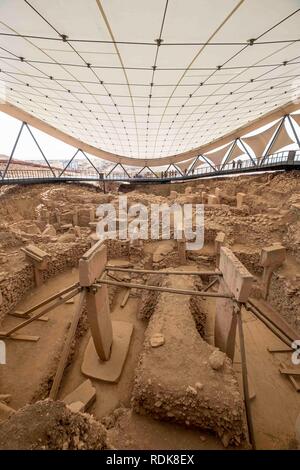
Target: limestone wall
x,y
285,297
15,285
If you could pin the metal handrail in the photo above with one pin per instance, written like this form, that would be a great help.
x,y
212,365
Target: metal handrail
x,y
270,161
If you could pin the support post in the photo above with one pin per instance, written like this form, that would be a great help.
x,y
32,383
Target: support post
x,y
68,163
36,143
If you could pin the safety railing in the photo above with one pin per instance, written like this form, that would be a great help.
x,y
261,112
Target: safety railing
x,y
278,160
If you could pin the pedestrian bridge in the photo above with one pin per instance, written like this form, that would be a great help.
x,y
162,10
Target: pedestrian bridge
x,y
282,161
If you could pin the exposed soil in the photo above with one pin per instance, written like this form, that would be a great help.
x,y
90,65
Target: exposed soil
x,y
59,220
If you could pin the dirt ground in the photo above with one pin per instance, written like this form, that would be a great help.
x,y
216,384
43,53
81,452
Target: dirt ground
x,y
271,213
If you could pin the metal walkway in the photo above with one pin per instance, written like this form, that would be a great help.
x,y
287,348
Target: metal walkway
x,y
283,161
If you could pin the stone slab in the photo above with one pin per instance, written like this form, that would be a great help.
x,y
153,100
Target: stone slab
x,y
273,255
76,407
92,264
236,277
100,322
240,197
109,371
213,200
37,251
85,393
5,411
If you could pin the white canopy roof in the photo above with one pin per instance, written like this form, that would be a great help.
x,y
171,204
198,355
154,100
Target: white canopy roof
x,y
147,78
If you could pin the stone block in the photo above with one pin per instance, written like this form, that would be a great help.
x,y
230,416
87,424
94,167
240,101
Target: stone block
x,y
240,199
49,231
92,264
213,200
236,277
218,192
273,255
84,393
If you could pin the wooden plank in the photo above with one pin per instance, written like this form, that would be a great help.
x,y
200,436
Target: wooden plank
x,y
273,316
50,299
42,312
295,382
67,346
163,289
277,349
125,298
19,314
289,370
3,335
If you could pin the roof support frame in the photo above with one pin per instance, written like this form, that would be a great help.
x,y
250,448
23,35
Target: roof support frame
x,y
229,154
69,163
115,166
208,162
150,169
124,170
246,151
193,164
13,150
38,146
294,130
266,151
90,162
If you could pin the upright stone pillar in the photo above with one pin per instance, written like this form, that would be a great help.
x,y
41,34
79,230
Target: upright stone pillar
x,y
240,199
236,281
271,258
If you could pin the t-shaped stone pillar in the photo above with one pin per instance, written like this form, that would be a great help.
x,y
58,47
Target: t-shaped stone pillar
x,y
39,259
91,266
107,349
236,281
271,257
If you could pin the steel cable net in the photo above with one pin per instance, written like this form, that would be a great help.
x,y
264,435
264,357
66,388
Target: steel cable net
x,y
149,79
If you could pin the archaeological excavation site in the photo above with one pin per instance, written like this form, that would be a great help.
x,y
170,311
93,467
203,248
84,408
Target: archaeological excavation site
x,y
149,227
